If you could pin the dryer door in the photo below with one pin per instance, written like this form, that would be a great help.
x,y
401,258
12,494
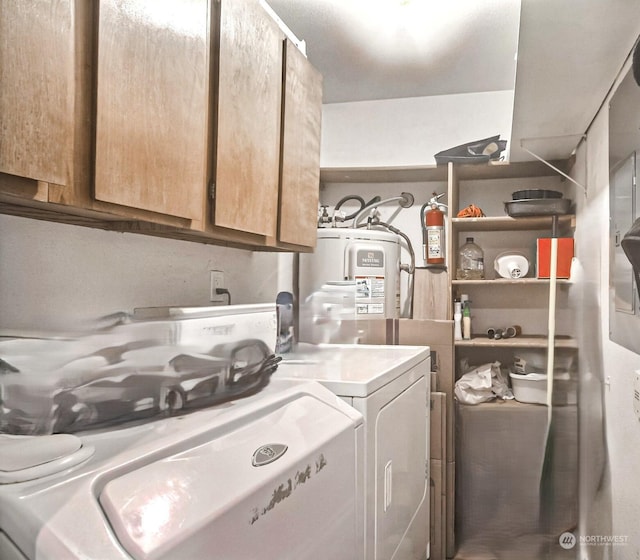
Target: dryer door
x,y
401,503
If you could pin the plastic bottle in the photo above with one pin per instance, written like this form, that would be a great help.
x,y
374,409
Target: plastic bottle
x,y
470,262
457,321
466,321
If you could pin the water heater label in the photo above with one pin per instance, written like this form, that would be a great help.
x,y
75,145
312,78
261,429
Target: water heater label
x,y
370,259
369,295
370,308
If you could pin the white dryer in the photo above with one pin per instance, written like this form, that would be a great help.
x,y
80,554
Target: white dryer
x,y
388,385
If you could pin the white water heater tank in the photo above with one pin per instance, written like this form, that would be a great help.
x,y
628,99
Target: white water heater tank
x,y
368,258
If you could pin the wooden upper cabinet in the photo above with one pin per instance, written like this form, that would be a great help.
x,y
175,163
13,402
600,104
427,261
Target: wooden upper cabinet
x,y
247,124
37,46
300,172
152,105
179,114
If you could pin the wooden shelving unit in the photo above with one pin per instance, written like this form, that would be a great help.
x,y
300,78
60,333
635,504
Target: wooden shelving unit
x,y
494,297
501,301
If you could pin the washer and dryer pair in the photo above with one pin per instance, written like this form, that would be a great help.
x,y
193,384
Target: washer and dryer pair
x,y
327,461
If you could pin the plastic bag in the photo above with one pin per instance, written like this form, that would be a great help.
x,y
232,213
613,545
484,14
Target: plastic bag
x,y
483,384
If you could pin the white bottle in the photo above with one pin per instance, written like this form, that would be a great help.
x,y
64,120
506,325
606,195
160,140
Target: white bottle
x,y
466,322
457,321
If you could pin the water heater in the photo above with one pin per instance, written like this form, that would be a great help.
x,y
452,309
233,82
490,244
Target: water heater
x,y
363,262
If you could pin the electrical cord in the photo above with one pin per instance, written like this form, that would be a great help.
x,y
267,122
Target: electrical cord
x,y
224,291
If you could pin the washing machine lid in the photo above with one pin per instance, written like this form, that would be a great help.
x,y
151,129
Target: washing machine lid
x,y
29,457
280,483
351,370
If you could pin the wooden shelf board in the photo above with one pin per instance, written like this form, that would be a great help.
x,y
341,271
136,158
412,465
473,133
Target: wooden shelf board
x,y
420,173
507,223
412,174
479,341
508,282
494,405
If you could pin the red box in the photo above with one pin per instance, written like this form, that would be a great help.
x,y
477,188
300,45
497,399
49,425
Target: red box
x,y
565,256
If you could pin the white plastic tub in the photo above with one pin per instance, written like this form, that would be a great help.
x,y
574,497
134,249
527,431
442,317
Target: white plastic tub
x,y
532,388
535,361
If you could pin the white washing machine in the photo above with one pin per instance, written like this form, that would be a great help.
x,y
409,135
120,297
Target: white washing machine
x,y
179,444
272,476
388,385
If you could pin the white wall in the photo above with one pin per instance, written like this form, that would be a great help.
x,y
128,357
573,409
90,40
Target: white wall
x,y
606,369
403,132
57,276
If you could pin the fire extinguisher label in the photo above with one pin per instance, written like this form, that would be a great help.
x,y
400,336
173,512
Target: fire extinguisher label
x,y
434,245
370,259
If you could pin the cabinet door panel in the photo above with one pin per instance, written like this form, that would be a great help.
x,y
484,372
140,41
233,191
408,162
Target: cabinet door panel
x,y
300,179
249,100
36,95
152,105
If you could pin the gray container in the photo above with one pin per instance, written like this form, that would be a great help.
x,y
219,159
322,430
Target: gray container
x,y
537,207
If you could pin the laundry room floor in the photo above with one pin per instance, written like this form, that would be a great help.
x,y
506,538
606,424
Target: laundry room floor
x,y
522,547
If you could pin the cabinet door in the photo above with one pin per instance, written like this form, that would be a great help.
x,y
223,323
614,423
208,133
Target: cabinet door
x,y
300,179
152,105
249,98
36,96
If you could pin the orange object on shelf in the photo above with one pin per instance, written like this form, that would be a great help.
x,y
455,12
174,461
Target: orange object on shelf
x,y
565,256
471,211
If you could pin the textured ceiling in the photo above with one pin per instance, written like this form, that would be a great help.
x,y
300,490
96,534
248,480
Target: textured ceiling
x,y
381,49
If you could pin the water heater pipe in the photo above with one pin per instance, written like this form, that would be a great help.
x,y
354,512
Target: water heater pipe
x,y
405,200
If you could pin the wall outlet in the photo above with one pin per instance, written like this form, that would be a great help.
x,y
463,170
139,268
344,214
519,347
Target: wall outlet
x,y
216,281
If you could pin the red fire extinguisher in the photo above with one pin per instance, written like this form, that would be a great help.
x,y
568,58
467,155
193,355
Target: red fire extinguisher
x,y
433,231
